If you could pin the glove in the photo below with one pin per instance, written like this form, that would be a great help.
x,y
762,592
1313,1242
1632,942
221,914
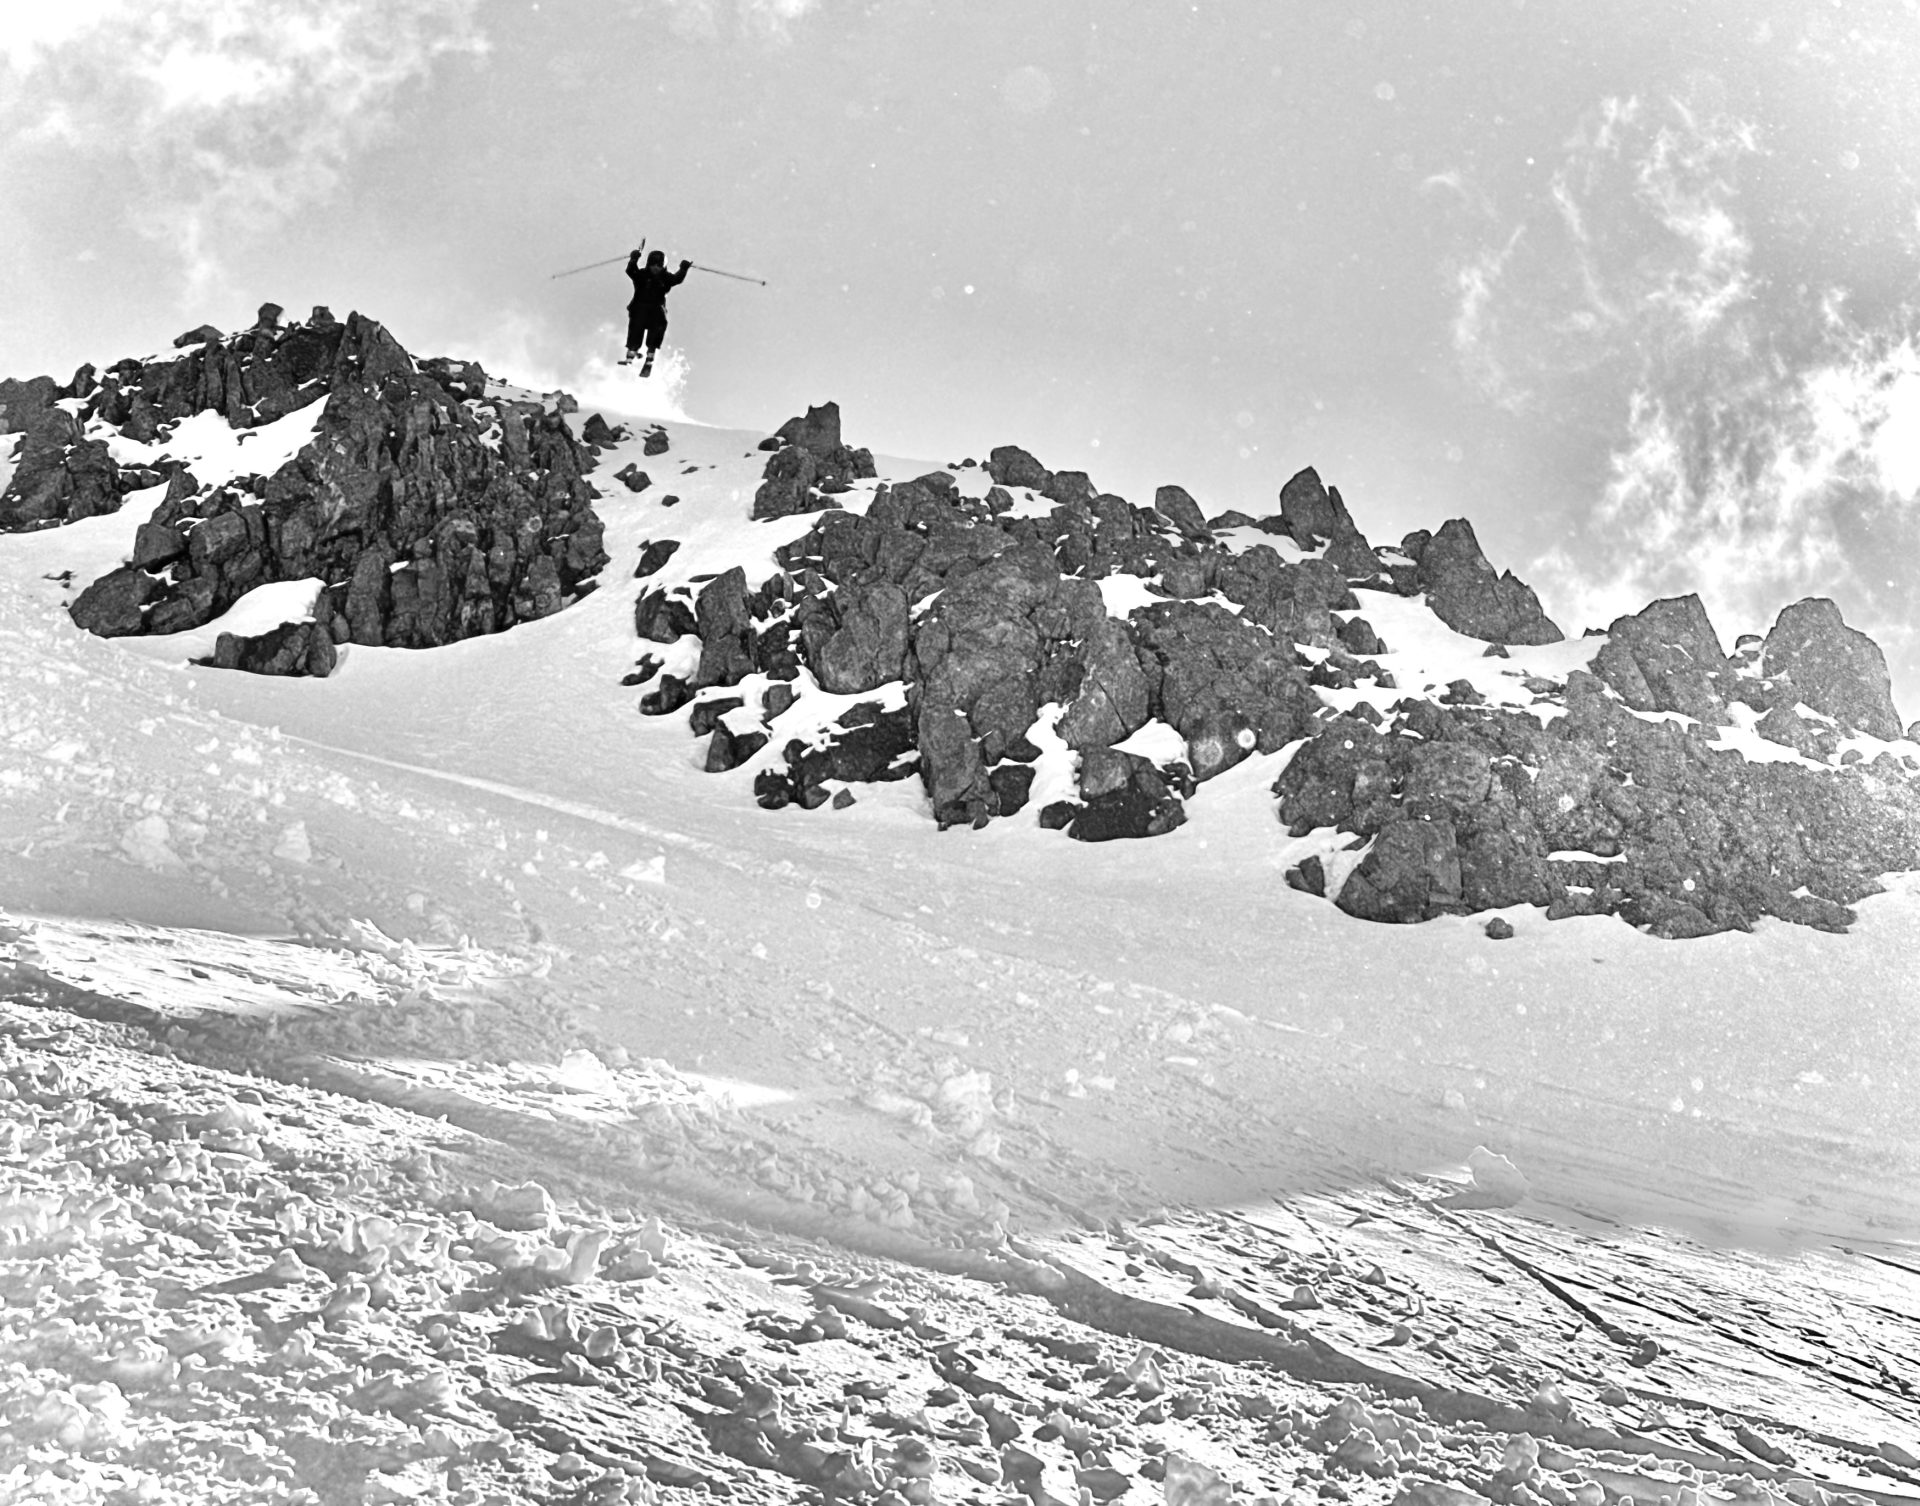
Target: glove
x,y
684,264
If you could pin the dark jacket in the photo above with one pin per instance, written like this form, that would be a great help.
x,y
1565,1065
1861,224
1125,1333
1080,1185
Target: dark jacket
x,y
650,284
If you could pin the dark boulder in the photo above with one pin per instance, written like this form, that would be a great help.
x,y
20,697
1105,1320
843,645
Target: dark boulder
x,y
111,606
59,475
1294,602
1069,488
787,484
1833,668
726,630
1112,701
157,544
653,555
728,750
1470,598
1009,465
632,477
868,744
204,334
667,696
818,432
1357,634
708,710
1131,799
1313,515
1011,784
596,430
24,403
297,649
1410,873
1666,657
951,766
868,645
1309,876
1175,505
1222,683
464,381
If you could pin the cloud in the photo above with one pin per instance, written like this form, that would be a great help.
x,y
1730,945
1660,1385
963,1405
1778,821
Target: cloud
x,y
231,114
1756,429
1476,340
709,20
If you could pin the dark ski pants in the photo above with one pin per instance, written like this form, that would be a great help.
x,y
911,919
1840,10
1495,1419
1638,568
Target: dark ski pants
x,y
646,327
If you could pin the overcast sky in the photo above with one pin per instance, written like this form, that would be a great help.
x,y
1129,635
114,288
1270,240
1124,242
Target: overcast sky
x,y
1629,283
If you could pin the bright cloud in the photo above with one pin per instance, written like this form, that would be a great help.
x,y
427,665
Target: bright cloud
x,y
1765,438
232,113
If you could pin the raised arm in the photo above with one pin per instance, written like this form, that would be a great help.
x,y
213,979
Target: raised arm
x,y
681,276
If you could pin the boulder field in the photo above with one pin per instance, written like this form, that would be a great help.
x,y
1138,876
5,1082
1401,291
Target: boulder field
x,y
979,628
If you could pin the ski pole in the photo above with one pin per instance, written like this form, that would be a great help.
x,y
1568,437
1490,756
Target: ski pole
x,y
592,264
735,275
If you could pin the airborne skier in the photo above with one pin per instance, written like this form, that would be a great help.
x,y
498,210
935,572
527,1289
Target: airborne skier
x,y
647,311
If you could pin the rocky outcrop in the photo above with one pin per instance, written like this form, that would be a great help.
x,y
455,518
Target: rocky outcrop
x,y
1667,657
1314,516
810,466
994,627
1602,811
1466,594
986,642
60,475
1009,465
1832,668
297,649
433,513
1175,505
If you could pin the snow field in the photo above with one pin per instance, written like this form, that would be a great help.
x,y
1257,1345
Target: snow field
x,y
522,906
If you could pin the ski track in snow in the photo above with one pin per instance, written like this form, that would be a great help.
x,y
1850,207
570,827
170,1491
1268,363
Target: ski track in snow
x,y
474,883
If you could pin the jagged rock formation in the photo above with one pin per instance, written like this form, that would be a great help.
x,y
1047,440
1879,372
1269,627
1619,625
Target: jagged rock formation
x,y
978,634
428,513
809,466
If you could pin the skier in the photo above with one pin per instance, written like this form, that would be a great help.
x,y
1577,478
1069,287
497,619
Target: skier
x,y
647,312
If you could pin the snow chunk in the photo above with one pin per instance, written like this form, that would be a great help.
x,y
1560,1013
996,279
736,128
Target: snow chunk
x,y
1126,593
1056,773
147,843
1156,742
651,870
294,846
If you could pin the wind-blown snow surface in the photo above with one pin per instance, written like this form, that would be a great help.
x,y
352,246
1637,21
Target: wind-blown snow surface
x,y
1160,1023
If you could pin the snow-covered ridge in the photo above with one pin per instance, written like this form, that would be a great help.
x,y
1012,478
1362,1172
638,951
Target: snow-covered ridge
x,y
822,626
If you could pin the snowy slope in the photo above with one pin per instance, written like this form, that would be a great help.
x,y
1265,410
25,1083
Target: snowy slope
x,y
533,729
1078,1032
